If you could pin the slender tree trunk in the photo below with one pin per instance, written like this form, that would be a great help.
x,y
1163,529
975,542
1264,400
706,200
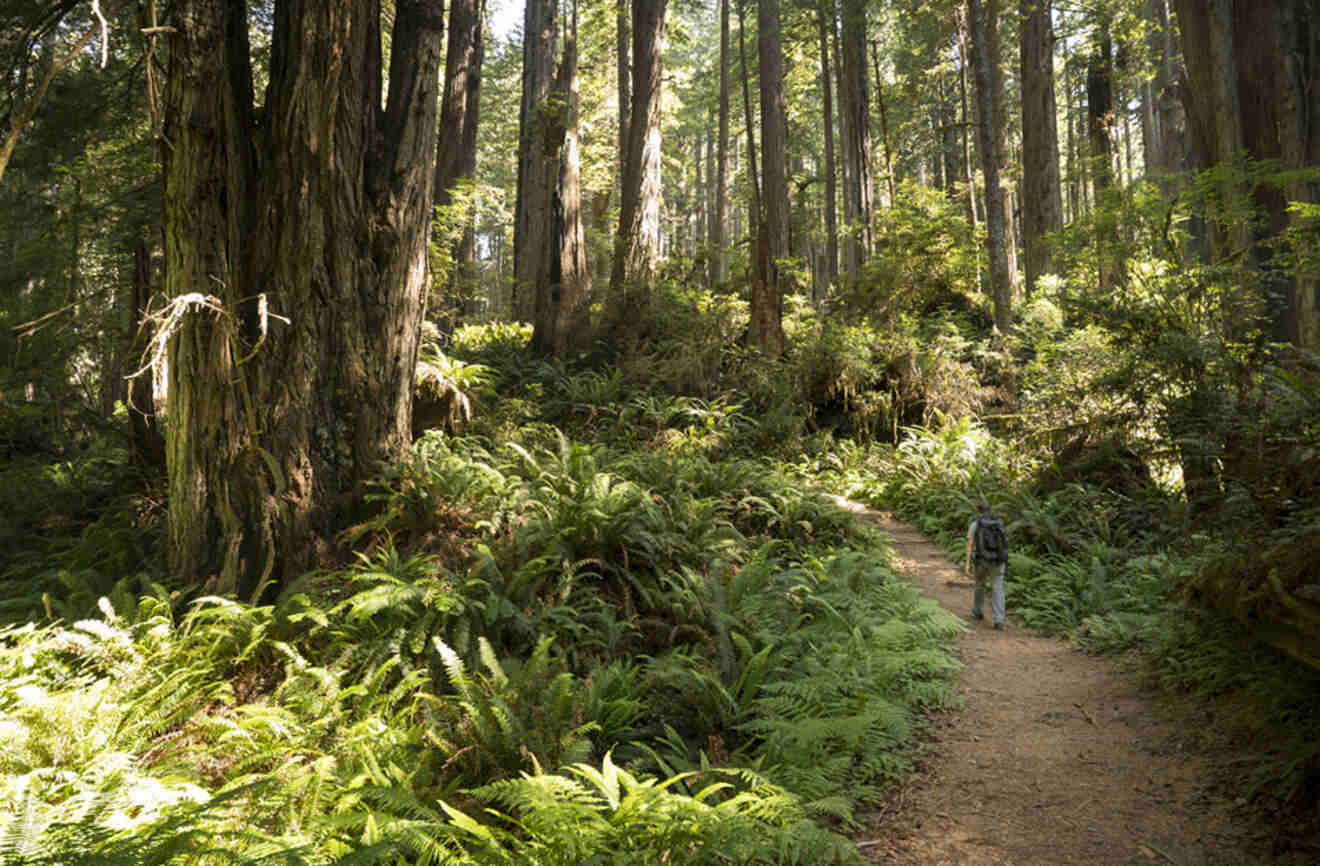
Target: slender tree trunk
x,y
967,125
831,193
1042,204
765,328
754,208
890,180
146,439
456,153
1073,181
707,238
719,239
1001,285
637,244
271,421
623,47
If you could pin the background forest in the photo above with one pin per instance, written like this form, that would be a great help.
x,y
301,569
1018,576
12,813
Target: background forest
x,y
418,420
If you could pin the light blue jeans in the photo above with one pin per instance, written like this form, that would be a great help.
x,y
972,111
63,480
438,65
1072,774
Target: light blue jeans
x,y
989,576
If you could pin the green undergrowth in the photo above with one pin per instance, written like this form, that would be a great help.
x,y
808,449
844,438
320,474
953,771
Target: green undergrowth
x,y
1116,572
545,651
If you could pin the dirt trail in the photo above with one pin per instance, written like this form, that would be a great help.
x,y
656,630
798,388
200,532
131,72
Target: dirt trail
x,y
1057,758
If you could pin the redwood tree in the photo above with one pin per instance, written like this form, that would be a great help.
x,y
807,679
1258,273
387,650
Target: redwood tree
x,y
1253,87
456,155
295,242
987,124
533,199
1042,202
637,244
766,325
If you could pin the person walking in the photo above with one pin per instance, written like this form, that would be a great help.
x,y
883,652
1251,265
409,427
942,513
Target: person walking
x,y
987,549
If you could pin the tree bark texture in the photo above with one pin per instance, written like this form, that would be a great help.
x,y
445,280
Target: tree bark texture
x,y
766,327
855,132
456,151
637,244
1100,110
533,202
561,323
1001,282
1042,202
319,214
1253,87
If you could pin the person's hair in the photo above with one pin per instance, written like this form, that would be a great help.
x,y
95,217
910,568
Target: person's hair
x,y
983,507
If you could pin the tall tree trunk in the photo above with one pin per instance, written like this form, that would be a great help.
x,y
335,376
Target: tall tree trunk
x,y
1253,74
856,137
890,180
1001,284
1074,197
754,208
1100,132
533,204
831,193
318,214
456,152
567,298
1042,202
637,244
623,56
1100,110
708,239
561,284
766,328
967,125
719,229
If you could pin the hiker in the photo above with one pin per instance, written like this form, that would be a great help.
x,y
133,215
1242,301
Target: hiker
x,y
987,545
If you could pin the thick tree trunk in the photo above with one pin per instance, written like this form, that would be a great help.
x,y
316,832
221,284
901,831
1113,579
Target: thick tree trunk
x,y
831,193
319,214
1100,111
1001,283
561,285
855,132
637,244
766,328
719,237
1253,74
1042,202
456,152
532,207
571,299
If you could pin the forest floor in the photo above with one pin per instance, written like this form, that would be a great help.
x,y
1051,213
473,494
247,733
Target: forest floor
x,y
1057,757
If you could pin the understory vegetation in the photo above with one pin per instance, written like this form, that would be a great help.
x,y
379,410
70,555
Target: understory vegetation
x,y
605,611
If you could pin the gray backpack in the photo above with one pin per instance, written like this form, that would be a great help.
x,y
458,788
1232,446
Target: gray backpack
x,y
991,540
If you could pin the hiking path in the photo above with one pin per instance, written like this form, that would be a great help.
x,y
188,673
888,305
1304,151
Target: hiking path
x,y
1057,757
